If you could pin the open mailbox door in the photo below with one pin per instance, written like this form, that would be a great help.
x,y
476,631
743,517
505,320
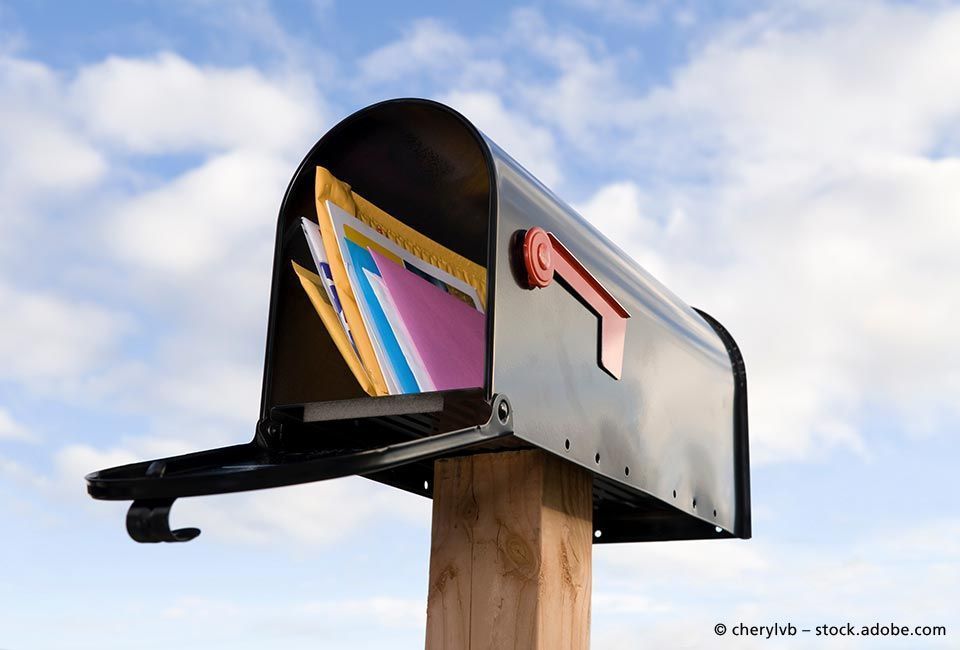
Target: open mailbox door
x,y
586,355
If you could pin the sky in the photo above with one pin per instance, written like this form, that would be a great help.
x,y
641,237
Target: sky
x,y
792,168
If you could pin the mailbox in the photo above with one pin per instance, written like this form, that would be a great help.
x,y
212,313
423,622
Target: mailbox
x,y
587,356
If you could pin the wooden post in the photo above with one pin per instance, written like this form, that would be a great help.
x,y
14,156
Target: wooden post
x,y
510,557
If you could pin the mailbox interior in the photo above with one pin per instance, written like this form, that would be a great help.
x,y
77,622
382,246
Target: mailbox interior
x,y
431,170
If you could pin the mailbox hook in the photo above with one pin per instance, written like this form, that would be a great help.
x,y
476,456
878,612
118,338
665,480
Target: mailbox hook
x,y
148,521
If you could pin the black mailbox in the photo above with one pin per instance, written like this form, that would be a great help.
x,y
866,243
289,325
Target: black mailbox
x,y
587,356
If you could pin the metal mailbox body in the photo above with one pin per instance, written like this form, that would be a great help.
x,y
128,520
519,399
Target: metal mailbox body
x,y
666,442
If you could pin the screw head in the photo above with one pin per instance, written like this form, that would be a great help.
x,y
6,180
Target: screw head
x,y
503,412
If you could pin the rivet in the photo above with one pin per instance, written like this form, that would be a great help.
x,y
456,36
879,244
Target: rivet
x,y
503,412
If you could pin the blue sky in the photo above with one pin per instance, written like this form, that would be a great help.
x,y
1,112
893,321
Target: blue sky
x,y
793,168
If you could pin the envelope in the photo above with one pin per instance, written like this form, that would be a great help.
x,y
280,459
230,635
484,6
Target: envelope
x,y
314,286
329,188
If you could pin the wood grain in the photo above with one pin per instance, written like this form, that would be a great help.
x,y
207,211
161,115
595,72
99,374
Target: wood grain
x,y
510,559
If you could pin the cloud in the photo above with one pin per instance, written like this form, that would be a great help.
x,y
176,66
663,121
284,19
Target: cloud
x,y
201,218
44,156
305,516
35,132
709,560
682,589
626,214
188,252
192,108
850,86
386,612
49,338
428,45
191,250
196,251
242,620
10,429
848,314
579,91
793,187
18,473
214,388
312,618
76,460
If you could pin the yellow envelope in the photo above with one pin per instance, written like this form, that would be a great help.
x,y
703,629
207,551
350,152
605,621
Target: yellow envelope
x,y
313,285
330,188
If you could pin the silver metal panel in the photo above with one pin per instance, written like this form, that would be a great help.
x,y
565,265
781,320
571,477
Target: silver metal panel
x,y
667,426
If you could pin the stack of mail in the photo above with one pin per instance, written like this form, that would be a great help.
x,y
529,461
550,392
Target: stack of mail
x,y
406,313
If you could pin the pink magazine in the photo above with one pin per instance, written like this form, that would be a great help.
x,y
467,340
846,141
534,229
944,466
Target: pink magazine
x,y
447,333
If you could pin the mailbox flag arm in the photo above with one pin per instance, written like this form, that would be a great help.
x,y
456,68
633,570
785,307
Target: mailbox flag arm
x,y
545,256
154,485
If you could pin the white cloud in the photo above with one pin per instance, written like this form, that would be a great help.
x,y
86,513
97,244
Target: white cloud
x,y
583,96
19,474
50,338
820,228
316,619
426,45
39,145
626,213
77,460
198,250
168,104
430,58
44,157
216,388
193,251
859,86
386,612
681,589
42,154
625,602
10,429
708,560
203,217
245,620
848,313
302,516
